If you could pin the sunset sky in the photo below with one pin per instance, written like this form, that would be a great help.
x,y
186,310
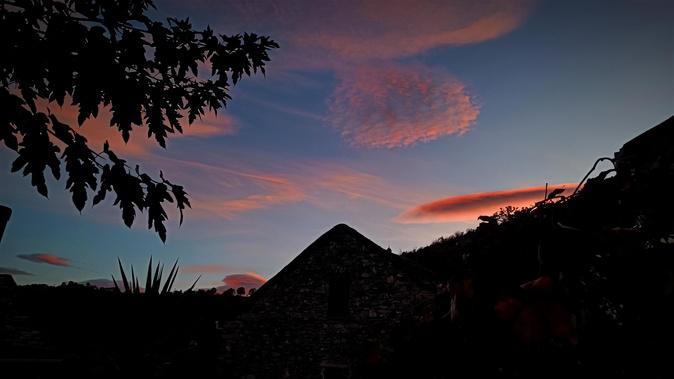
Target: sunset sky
x,y
404,119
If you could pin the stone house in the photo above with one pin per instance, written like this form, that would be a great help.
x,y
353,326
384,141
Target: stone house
x,y
333,312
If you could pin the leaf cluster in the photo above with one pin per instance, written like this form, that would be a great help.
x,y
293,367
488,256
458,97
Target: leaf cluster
x,y
109,53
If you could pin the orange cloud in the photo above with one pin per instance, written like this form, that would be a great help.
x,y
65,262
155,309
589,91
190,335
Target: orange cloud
x,y
247,280
98,130
389,29
219,191
394,106
325,179
328,34
470,206
222,191
45,258
273,190
389,107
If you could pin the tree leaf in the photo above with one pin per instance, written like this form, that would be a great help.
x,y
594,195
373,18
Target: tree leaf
x,y
36,153
96,55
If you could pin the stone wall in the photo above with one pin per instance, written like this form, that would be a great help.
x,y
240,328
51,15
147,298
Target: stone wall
x,y
288,333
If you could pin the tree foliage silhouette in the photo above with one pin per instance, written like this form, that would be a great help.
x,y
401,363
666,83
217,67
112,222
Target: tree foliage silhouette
x,y
109,53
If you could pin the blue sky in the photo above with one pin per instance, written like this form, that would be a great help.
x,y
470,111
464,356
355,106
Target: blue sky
x,y
368,111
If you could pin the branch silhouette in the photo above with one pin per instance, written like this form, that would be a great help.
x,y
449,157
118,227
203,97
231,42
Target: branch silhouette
x,y
111,54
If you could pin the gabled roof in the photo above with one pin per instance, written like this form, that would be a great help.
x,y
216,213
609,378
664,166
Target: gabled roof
x,y
647,146
343,234
5,213
7,281
661,133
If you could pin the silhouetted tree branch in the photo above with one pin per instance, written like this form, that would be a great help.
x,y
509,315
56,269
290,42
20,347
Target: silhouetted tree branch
x,y
110,54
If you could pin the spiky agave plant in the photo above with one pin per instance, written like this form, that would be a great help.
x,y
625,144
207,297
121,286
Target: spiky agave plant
x,y
152,282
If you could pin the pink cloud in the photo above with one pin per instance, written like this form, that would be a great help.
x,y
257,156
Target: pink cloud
x,y
224,192
395,106
271,190
389,29
326,181
247,280
470,206
98,130
230,188
328,34
46,258
375,107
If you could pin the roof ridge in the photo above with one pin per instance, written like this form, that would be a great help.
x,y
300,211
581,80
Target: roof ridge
x,y
415,270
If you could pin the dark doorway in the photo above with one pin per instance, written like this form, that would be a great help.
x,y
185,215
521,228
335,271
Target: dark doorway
x,y
338,296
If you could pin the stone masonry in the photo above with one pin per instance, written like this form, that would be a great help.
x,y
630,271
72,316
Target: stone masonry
x,y
332,312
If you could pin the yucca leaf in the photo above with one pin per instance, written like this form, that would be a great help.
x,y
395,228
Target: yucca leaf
x,y
134,289
168,279
124,280
175,274
115,282
154,287
148,278
194,284
158,282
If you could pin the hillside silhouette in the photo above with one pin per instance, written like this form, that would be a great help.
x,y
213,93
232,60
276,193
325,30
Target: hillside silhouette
x,y
574,285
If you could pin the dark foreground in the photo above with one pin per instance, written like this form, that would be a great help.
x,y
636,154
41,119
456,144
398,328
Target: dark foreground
x,y
579,285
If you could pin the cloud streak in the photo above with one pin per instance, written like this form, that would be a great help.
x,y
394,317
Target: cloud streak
x,y
378,105
388,29
326,34
221,191
470,206
47,258
13,271
396,106
97,130
325,181
226,192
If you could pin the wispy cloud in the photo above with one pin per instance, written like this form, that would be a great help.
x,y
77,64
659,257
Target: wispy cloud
x,y
232,185
330,180
470,206
222,191
388,29
330,33
393,106
285,109
98,130
378,104
228,192
13,271
46,258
